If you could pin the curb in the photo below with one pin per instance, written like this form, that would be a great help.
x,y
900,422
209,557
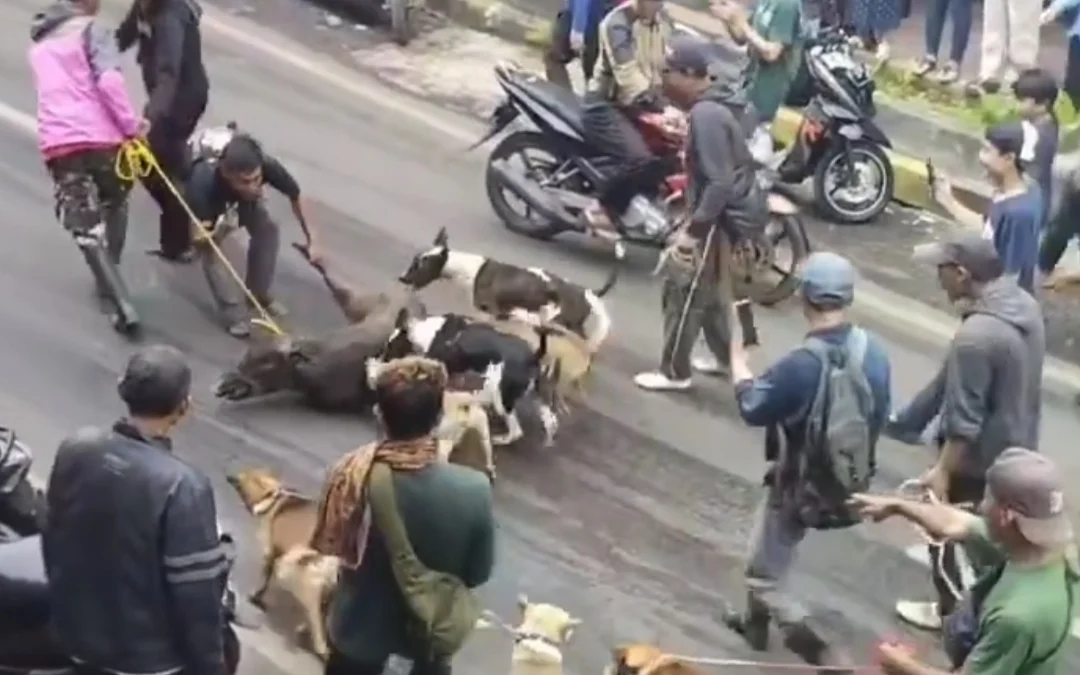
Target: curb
x,y
502,20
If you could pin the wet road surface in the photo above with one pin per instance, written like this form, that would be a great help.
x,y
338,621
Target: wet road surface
x,y
635,521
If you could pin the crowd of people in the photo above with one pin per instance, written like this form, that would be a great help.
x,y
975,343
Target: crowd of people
x,y
150,603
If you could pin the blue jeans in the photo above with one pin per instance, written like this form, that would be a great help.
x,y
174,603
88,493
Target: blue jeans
x,y
935,26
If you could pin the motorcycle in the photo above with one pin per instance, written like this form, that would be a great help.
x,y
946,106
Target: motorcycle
x,y
837,142
560,172
22,506
26,645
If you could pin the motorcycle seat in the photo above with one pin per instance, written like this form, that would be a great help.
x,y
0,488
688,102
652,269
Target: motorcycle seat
x,y
24,587
564,104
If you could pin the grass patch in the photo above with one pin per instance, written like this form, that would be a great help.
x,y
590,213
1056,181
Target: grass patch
x,y
969,113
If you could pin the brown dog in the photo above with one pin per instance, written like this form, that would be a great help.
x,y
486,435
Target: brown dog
x,y
643,659
286,522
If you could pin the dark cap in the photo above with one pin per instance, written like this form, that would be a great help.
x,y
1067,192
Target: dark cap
x,y
1029,484
690,55
156,382
828,278
973,252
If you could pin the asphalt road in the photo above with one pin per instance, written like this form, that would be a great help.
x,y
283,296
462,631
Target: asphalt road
x,y
635,521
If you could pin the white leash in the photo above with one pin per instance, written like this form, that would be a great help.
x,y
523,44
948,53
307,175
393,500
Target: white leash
x,y
913,489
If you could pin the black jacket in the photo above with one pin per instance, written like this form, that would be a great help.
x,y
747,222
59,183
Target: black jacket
x,y
723,174
170,56
135,566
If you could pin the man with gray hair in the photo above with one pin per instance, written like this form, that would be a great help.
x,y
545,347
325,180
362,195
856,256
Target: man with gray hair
x,y
987,395
823,406
1017,618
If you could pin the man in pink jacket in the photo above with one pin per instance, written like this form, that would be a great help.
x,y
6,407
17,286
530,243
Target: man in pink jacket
x,y
84,115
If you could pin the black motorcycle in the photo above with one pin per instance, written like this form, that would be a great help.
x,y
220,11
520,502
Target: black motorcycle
x,y
838,142
543,174
26,645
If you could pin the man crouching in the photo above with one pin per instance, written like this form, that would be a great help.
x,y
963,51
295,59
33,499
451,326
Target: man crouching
x,y
444,509
84,115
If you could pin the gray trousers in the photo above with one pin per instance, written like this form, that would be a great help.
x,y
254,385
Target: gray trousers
x,y
687,315
264,241
774,542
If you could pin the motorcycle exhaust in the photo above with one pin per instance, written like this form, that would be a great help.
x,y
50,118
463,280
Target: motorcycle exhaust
x,y
528,191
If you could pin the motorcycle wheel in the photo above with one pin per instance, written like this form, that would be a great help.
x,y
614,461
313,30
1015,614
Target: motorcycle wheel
x,y
401,21
866,157
530,224
783,278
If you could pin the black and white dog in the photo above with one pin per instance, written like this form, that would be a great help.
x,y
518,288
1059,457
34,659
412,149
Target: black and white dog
x,y
510,366
501,289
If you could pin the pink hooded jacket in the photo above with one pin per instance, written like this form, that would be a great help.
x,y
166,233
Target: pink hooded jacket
x,y
82,101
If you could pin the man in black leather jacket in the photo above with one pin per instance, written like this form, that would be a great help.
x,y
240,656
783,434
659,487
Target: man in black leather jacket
x,y
135,566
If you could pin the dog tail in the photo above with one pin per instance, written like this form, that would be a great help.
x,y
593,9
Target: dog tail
x,y
542,349
613,275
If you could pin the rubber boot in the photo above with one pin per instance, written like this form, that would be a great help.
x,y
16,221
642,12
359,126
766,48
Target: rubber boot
x,y
110,285
752,623
805,643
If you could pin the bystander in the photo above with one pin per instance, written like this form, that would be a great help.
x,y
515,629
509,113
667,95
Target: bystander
x,y
1018,616
1015,216
987,394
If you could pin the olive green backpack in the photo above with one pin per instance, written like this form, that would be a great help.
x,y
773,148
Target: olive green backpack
x,y
444,607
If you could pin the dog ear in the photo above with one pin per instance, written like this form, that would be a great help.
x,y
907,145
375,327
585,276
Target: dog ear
x,y
401,321
568,628
618,656
523,603
441,239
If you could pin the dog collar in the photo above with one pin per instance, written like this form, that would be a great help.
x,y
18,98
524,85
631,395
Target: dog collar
x,y
536,637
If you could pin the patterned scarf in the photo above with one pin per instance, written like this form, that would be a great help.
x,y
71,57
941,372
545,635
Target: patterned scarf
x,y
344,518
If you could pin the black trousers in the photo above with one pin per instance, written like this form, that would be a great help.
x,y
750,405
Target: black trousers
x,y
339,664
559,54
168,142
1072,72
943,560
609,130
1059,231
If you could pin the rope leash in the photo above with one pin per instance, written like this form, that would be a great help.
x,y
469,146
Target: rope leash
x,y
136,161
913,489
490,618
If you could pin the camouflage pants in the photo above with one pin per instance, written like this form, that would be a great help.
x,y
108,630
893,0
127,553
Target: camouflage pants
x,y
88,193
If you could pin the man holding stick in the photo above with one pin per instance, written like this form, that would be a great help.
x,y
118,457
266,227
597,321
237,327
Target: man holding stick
x,y
723,190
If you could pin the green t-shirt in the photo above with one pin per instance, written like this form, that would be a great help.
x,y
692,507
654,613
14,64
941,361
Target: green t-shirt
x,y
1024,616
776,21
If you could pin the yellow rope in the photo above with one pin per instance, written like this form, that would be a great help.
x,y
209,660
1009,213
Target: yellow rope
x,y
135,161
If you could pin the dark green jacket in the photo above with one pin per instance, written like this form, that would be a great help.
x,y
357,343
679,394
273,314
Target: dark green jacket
x,y
447,511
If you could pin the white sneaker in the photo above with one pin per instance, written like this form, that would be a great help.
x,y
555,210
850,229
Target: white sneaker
x,y
707,365
656,381
919,614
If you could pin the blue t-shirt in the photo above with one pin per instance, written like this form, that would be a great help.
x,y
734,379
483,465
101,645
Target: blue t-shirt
x,y
1013,224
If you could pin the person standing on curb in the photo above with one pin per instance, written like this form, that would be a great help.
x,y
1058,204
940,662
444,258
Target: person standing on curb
x,y
1036,92
135,563
1067,12
575,34
1010,43
177,89
987,394
723,198
1015,218
823,406
445,511
927,66
773,36
1018,617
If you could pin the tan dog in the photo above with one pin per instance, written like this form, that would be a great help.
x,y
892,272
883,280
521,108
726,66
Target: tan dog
x,y
643,659
539,639
286,522
566,363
